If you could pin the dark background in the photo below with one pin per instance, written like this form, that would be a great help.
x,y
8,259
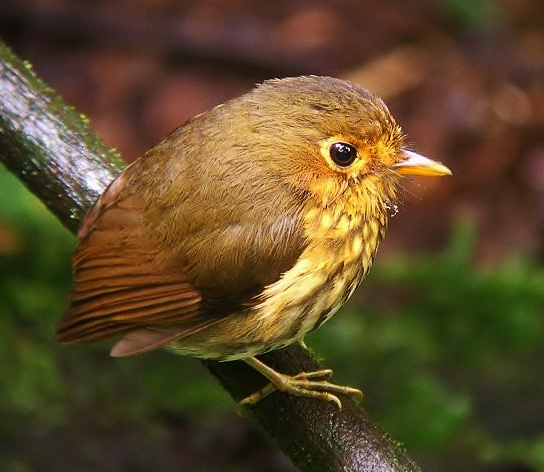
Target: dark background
x,y
445,337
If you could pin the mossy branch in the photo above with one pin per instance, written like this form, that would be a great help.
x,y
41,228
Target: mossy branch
x,y
55,153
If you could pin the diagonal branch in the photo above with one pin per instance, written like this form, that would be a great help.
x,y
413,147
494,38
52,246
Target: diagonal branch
x,y
53,151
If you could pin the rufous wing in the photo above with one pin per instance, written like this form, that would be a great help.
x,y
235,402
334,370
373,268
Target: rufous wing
x,y
120,288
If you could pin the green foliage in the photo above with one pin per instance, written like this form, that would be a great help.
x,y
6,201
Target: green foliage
x,y
34,276
472,14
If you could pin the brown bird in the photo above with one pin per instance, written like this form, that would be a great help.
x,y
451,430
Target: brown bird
x,y
244,229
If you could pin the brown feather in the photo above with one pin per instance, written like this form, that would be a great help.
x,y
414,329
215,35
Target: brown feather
x,y
118,285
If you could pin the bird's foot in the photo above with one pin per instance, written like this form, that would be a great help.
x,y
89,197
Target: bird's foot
x,y
313,384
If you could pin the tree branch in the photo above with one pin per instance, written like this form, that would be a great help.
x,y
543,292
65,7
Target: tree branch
x,y
53,151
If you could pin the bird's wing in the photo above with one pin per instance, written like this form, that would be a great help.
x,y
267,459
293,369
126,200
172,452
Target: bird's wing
x,y
117,286
124,286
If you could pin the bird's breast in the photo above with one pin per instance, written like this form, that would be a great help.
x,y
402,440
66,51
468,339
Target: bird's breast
x,y
341,247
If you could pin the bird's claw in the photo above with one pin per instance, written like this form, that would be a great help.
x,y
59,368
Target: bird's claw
x,y
305,384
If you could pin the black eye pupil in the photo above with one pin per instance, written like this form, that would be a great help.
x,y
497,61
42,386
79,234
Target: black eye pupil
x,y
343,154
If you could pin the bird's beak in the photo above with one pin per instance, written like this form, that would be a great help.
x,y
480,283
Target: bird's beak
x,y
416,164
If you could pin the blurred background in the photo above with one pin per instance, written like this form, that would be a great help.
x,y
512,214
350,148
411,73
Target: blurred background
x,y
445,337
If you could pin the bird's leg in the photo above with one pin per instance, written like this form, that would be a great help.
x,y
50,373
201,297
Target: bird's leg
x,y
313,384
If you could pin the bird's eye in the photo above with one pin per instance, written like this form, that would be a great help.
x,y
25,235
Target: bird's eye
x,y
342,154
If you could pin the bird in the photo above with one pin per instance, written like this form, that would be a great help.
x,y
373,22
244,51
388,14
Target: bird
x,y
244,229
